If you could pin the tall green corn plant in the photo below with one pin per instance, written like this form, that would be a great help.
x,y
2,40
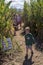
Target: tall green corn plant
x,y
26,14
4,18
3,11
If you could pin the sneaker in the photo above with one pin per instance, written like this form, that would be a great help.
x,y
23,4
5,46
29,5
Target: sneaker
x,y
26,57
32,53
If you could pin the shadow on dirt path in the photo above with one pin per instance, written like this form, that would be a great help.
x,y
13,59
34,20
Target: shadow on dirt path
x,y
28,61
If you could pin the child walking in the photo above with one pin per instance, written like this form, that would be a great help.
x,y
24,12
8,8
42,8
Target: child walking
x,y
29,40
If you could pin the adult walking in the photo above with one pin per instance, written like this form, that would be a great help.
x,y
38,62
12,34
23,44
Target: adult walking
x,y
18,20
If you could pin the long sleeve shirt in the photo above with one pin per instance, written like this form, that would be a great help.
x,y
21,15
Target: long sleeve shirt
x,y
29,39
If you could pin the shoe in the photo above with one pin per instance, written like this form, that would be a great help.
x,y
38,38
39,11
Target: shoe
x,y
26,57
32,53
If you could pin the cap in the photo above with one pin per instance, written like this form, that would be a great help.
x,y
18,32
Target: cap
x,y
27,28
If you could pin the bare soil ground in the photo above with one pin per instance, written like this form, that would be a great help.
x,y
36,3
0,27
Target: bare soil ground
x,y
18,57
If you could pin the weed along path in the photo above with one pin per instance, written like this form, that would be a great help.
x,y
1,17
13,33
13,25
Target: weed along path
x,y
17,54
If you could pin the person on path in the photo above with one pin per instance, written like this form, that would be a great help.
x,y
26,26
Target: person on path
x,y
29,40
18,19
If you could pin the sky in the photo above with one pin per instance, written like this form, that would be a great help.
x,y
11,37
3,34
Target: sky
x,y
17,3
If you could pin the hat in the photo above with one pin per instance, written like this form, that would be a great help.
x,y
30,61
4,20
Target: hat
x,y
27,28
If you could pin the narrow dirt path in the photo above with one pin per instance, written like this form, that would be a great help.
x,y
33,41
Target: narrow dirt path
x,y
19,57
37,57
